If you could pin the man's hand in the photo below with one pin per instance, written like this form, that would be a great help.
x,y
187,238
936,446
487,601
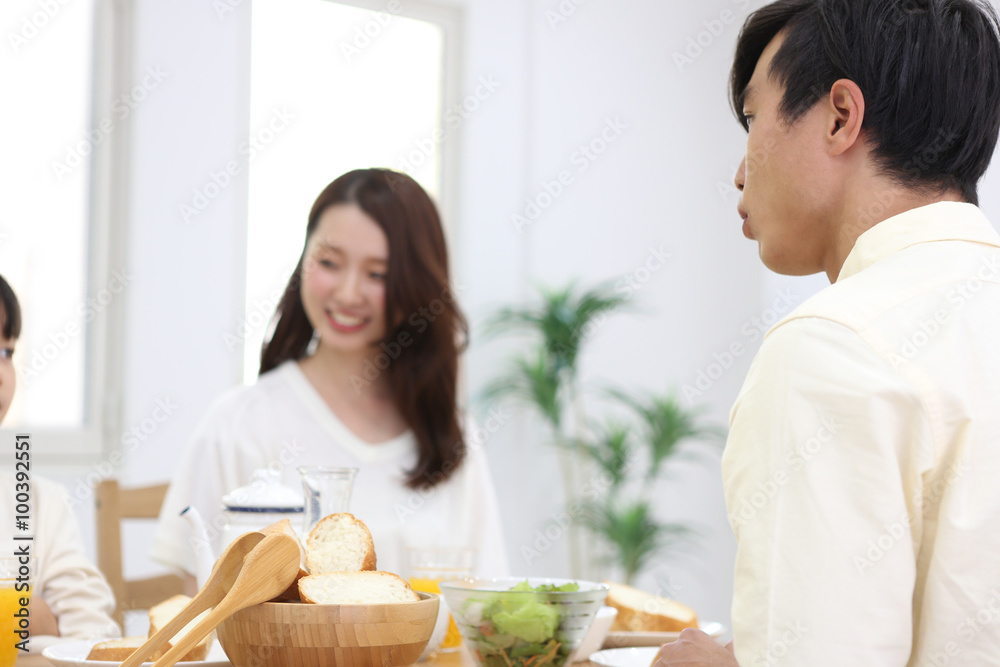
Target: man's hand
x,y
694,647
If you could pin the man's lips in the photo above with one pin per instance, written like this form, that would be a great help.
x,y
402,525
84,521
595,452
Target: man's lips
x,y
746,222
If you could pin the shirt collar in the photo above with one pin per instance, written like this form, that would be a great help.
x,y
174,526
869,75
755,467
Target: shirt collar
x,y
941,221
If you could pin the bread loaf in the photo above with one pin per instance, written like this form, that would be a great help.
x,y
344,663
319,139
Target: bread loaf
x,y
339,543
118,650
639,611
355,588
160,615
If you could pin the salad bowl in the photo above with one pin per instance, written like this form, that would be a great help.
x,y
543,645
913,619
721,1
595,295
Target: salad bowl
x,y
531,622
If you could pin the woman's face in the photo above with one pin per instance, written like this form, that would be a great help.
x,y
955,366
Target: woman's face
x,y
7,375
343,279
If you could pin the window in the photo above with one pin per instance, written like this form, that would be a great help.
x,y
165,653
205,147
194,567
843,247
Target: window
x,y
57,142
335,87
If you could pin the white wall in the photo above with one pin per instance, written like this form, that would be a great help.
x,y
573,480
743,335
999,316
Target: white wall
x,y
657,184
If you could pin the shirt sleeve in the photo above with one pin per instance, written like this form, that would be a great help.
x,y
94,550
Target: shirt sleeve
x,y
67,581
821,469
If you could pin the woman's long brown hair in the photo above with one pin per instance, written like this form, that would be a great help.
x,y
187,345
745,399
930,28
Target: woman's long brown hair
x,y
423,376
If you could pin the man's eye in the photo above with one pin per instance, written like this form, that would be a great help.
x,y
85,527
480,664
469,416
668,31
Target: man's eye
x,y
6,353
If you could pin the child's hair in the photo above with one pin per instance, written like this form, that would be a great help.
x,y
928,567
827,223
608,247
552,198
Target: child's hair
x,y
10,311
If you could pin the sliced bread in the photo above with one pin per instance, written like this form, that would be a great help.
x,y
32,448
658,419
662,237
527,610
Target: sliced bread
x,y
639,611
118,650
160,615
355,588
339,543
285,527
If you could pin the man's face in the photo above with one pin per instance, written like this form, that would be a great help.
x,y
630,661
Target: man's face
x,y
786,201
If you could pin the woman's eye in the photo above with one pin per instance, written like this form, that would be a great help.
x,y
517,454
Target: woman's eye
x,y
328,263
376,276
6,353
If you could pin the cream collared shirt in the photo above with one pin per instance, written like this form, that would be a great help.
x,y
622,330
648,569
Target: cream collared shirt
x,y
862,470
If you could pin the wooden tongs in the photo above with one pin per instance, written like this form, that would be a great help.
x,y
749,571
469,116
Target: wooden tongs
x,y
255,568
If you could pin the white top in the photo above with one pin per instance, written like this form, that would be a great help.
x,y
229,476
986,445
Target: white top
x,y
863,461
65,578
281,422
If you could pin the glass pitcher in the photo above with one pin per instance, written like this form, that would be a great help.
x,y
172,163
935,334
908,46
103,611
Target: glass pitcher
x,y
327,491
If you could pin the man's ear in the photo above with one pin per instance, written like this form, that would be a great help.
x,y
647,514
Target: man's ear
x,y
846,105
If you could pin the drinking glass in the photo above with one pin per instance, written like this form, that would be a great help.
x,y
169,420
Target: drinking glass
x,y
13,577
327,491
427,567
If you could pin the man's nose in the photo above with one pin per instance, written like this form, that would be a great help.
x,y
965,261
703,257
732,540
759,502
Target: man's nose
x,y
741,175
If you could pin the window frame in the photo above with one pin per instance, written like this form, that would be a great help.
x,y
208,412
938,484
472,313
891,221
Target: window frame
x,y
451,20
95,439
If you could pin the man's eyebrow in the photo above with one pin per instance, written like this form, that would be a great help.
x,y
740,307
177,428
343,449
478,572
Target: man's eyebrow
x,y
747,95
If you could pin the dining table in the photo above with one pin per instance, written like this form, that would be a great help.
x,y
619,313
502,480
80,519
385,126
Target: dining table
x,y
462,658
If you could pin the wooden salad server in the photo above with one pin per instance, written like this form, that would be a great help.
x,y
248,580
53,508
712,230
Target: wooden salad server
x,y
268,570
223,576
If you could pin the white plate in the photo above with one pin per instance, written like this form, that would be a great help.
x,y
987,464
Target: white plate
x,y
635,656
629,639
74,654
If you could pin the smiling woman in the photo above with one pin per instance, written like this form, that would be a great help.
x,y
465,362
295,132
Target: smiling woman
x,y
361,371
358,88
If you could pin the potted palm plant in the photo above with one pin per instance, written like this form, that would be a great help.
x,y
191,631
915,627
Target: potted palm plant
x,y
546,379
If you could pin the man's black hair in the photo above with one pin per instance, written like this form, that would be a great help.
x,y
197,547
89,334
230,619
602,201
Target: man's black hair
x,y
929,71
11,311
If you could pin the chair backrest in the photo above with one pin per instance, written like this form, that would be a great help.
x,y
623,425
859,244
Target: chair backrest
x,y
113,505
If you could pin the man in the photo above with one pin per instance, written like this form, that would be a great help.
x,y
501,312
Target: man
x,y
862,471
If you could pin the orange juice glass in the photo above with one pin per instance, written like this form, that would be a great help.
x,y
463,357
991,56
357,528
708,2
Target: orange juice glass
x,y
10,604
428,567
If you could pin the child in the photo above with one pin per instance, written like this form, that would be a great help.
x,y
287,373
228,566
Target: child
x,y
69,597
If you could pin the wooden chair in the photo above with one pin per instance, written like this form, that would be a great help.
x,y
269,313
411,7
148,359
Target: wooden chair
x,y
113,505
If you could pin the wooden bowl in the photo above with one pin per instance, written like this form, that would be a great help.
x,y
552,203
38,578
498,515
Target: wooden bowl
x,y
295,634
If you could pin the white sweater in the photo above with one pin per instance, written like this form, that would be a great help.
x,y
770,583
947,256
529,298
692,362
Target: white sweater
x,y
66,579
281,422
